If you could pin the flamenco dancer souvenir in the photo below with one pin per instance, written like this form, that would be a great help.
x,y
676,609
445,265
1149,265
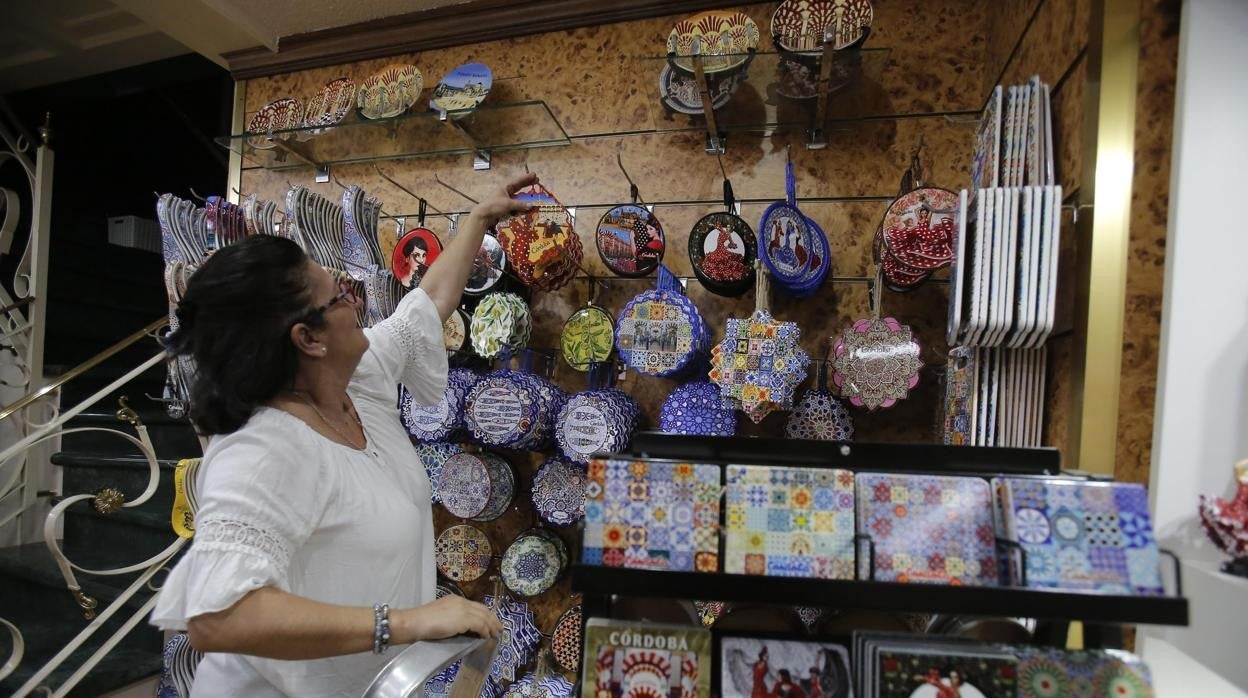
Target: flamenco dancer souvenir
x,y
818,415
1226,523
630,240
543,247
875,362
660,332
916,235
760,361
722,250
793,251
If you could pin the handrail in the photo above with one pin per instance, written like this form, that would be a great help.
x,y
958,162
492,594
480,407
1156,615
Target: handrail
x,y
81,368
17,304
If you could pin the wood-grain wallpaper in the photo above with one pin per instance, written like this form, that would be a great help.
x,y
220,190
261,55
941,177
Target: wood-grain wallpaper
x,y
929,68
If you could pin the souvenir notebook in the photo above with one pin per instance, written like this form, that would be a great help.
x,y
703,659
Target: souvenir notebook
x,y
625,658
1045,672
755,666
926,529
790,522
1090,536
655,515
905,670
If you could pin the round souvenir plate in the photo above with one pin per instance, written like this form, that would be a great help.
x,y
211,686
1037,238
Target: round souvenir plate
x,y
462,553
876,362
819,416
465,485
531,565
487,267
463,88
722,250
390,91
800,25
539,242
455,330
501,411
784,242
433,456
724,39
502,486
658,333
331,104
414,253
630,240
565,641
587,426
559,492
680,92
919,227
278,115
499,319
587,337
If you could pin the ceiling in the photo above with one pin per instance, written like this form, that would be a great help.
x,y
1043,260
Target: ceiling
x,y
43,42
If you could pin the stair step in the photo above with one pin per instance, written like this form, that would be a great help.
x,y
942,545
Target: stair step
x,y
84,473
135,534
171,438
33,566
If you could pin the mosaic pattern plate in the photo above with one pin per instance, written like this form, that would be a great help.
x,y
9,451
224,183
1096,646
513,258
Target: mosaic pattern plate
x,y
565,641
876,362
462,553
533,562
927,529
819,416
655,515
1055,673
559,492
790,522
759,364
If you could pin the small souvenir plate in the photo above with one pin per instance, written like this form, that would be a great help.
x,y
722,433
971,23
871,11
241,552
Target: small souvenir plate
x,y
800,25
487,267
559,492
565,641
413,255
919,228
724,39
277,115
455,330
463,88
532,564
502,486
390,92
462,553
465,485
587,337
539,242
433,456
784,242
330,105
722,250
680,92
876,362
819,416
630,240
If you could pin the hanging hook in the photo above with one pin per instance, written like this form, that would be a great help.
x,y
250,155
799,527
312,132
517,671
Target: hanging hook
x,y
197,196
438,179
722,171
334,178
632,186
405,190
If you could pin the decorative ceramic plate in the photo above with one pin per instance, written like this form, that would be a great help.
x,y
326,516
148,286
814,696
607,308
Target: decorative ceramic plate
x,y
471,486
680,92
800,25
819,416
722,250
587,337
595,422
441,420
759,364
462,553
390,92
630,240
659,332
540,242
565,641
698,409
559,492
487,267
455,330
784,242
502,486
463,88
413,255
433,456
500,320
330,105
517,646
278,115
876,362
444,589
724,39
501,411
532,686
533,562
919,227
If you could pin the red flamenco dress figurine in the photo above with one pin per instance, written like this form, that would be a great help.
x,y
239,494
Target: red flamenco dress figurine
x,y
727,261
1226,523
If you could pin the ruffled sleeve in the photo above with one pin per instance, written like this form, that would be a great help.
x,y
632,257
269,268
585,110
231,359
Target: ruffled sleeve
x,y
256,509
406,348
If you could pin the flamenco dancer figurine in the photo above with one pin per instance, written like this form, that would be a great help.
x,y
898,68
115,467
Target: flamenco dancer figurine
x,y
1226,523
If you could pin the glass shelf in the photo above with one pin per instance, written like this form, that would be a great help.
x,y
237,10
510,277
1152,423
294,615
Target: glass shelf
x,y
763,101
488,128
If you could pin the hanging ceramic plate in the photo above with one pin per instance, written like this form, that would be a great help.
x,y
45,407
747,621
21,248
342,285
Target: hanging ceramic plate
x,y
630,240
501,410
784,242
533,563
587,337
565,641
467,485
330,105
462,553
517,646
559,492
800,25
502,486
698,409
819,416
390,92
724,39
433,456
277,115
455,330
463,88
876,362
413,255
919,227
500,319
759,364
680,92
722,250
539,242
487,267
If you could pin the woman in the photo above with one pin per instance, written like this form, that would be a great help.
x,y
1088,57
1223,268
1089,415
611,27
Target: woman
x,y
314,510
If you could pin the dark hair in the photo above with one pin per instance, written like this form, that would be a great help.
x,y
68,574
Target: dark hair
x,y
234,321
413,244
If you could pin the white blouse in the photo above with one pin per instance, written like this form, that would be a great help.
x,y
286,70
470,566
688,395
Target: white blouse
x,y
280,505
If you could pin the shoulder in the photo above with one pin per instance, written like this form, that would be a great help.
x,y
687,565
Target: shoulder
x,y
272,446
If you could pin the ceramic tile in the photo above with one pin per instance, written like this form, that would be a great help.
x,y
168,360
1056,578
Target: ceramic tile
x,y
928,529
1045,672
658,515
789,522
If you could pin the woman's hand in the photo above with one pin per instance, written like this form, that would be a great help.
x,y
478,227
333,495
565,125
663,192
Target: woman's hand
x,y
446,617
500,202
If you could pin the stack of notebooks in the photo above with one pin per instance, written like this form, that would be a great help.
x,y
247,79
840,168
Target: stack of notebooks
x,y
901,666
626,659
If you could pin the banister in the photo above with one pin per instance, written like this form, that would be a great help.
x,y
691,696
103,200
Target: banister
x,y
81,368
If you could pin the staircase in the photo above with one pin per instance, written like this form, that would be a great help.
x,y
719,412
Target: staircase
x,y
35,598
